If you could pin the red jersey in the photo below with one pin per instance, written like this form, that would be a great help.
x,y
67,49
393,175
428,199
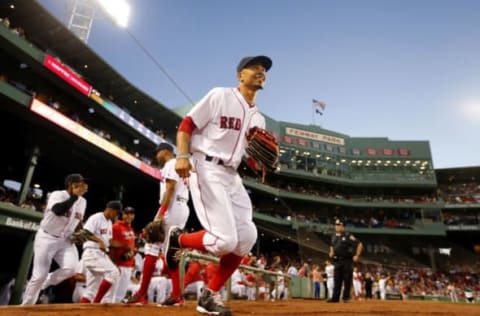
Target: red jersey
x,y
125,234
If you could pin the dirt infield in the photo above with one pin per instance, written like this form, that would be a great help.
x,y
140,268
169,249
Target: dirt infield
x,y
242,308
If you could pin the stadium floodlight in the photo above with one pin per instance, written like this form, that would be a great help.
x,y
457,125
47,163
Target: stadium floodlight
x,y
118,10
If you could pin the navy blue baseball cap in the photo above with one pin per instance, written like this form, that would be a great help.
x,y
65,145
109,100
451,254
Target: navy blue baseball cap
x,y
128,209
163,146
265,61
74,178
115,205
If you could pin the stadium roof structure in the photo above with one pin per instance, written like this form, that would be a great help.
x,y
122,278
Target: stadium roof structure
x,y
457,175
50,35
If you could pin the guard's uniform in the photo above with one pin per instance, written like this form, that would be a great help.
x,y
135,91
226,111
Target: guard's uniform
x,y
222,119
344,247
52,242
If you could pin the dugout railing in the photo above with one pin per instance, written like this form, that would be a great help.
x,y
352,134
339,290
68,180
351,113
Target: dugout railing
x,y
298,287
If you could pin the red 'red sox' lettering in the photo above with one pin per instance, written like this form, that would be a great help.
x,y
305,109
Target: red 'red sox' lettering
x,y
230,123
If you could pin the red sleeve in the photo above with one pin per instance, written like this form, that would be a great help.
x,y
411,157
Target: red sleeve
x,y
187,125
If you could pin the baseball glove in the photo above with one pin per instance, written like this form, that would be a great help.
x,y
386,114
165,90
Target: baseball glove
x,y
263,148
127,255
155,231
80,236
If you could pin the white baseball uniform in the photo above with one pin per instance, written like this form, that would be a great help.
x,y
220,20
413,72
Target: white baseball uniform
x,y
222,119
238,283
160,287
280,291
80,287
329,269
357,283
178,211
52,243
97,262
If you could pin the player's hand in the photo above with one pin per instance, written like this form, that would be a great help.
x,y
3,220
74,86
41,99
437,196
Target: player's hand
x,y
356,258
101,244
80,188
183,167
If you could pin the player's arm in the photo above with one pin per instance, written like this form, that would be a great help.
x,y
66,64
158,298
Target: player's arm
x,y
167,198
61,208
330,254
184,134
99,241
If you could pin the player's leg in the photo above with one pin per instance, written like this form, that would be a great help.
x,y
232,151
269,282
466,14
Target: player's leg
x,y
122,284
330,287
213,207
214,210
176,216
163,290
44,248
151,250
91,286
110,275
67,260
152,289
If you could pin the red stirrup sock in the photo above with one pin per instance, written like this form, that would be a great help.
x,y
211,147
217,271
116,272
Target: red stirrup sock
x,y
84,300
228,264
102,289
193,240
175,276
148,268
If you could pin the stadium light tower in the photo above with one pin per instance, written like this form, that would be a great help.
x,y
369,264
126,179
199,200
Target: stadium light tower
x,y
83,13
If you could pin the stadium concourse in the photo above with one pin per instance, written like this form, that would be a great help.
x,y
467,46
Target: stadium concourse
x,y
63,109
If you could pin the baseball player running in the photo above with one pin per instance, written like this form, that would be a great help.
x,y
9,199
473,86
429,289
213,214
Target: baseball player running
x,y
217,129
174,211
64,211
101,271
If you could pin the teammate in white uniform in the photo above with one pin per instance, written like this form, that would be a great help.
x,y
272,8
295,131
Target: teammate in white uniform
x,y
357,283
65,210
217,129
174,210
160,287
329,269
101,271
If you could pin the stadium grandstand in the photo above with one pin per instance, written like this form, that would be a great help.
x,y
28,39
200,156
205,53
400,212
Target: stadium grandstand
x,y
64,109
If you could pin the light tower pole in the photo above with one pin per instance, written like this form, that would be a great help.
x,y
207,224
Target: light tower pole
x,y
83,12
81,19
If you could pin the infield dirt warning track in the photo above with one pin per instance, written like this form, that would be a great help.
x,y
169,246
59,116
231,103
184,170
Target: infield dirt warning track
x,y
243,308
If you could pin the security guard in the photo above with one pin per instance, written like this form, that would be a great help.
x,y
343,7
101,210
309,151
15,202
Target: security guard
x,y
344,251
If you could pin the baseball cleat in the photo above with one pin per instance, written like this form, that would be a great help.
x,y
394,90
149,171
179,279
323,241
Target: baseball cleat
x,y
174,301
172,247
211,304
135,299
